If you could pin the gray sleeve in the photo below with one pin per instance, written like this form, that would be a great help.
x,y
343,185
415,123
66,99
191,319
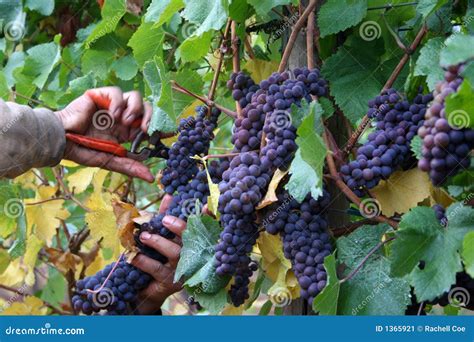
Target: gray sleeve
x,y
28,138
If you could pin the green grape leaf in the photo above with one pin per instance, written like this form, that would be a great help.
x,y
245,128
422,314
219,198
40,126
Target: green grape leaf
x,y
415,145
306,169
326,301
112,13
420,237
97,62
468,72
468,253
426,7
197,255
159,81
427,63
264,7
125,68
4,260
208,14
459,107
161,11
338,15
194,48
371,291
44,7
15,61
239,10
40,62
193,82
4,88
214,303
458,49
356,74
55,289
77,87
146,43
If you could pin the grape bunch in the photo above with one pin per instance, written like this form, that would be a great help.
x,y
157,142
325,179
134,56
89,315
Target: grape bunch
x,y
446,147
195,135
306,242
242,87
388,147
112,289
240,288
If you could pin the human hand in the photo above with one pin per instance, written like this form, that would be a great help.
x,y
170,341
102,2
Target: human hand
x,y
162,286
106,113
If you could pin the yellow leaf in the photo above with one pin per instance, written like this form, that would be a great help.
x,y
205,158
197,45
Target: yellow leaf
x,y
99,179
260,69
271,196
68,163
80,180
402,191
440,196
101,219
27,180
213,198
98,264
277,267
31,306
116,179
45,216
33,246
231,310
14,274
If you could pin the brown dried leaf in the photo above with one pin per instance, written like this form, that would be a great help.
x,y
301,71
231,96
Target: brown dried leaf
x,y
64,261
124,214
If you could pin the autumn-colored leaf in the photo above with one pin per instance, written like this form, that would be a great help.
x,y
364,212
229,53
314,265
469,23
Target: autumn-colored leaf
x,y
64,261
270,196
45,216
260,69
80,180
124,214
33,246
14,275
30,306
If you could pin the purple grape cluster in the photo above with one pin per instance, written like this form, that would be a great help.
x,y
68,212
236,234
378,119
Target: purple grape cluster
x,y
240,288
446,148
388,147
195,135
242,87
306,242
110,290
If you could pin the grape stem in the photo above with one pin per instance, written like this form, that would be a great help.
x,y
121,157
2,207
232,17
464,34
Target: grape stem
x,y
362,263
215,79
176,87
391,80
294,35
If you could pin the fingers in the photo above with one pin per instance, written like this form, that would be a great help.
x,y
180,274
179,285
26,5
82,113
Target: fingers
x,y
155,268
146,116
110,98
134,107
165,203
174,224
166,247
106,161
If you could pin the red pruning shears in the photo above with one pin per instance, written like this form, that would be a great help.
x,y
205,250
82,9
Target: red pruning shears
x,y
159,150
